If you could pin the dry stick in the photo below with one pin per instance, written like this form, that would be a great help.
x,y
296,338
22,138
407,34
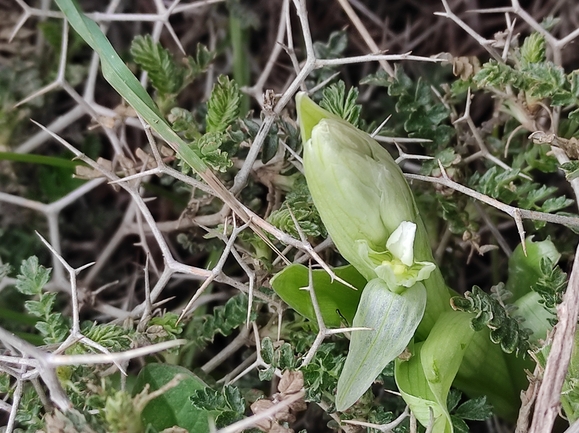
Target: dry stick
x,y
16,397
547,406
253,420
528,400
259,362
365,34
236,344
47,373
509,210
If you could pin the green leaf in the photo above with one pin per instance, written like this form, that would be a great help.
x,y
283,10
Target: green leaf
x,y
113,337
570,390
223,320
571,169
334,48
208,146
344,105
207,399
551,284
453,399
443,350
476,409
226,405
392,319
533,49
182,121
174,407
43,307
490,311
321,375
54,329
299,203
201,61
267,374
32,158
337,302
459,425
223,105
165,74
267,350
417,394
32,277
234,399
169,321
501,384
554,204
287,360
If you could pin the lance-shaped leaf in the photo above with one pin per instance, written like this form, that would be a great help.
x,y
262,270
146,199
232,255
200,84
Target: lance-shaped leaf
x,y
416,392
485,370
337,302
392,319
426,378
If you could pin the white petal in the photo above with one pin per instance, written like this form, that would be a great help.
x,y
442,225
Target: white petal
x,y
401,242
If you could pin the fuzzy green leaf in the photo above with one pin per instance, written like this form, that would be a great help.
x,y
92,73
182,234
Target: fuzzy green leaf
x,y
336,101
32,277
165,74
170,324
551,284
533,49
223,105
267,350
201,61
54,329
223,320
113,337
491,312
571,169
41,308
182,121
321,375
208,146
298,202
226,405
334,48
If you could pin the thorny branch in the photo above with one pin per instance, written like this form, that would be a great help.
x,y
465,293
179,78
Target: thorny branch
x,y
138,218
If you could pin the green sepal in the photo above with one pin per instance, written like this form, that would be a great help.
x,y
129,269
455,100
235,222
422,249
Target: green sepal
x,y
393,319
336,300
309,115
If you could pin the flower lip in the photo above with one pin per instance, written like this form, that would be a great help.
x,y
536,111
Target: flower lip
x,y
395,265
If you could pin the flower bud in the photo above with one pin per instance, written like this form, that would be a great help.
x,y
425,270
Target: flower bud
x,y
369,211
358,189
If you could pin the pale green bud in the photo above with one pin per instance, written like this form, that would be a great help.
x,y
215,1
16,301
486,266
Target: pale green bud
x,y
358,189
